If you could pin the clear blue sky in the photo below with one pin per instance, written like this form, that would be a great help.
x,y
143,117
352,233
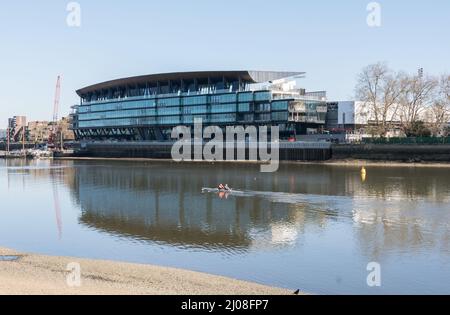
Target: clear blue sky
x,y
330,40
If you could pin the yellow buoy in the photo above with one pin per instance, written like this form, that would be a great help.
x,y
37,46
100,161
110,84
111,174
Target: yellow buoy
x,y
363,174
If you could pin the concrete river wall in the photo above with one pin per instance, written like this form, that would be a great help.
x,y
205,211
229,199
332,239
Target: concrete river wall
x,y
393,152
300,151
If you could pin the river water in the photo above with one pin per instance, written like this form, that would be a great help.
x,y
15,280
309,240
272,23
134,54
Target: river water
x,y
309,227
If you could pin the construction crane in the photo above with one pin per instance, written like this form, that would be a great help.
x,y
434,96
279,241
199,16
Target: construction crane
x,y
54,130
57,98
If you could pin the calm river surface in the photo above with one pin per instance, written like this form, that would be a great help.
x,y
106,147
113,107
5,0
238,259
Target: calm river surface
x,y
315,228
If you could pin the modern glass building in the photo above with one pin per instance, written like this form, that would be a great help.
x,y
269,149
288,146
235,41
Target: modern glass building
x,y
148,107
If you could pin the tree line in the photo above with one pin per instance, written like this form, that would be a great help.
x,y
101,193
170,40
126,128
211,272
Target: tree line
x,y
413,104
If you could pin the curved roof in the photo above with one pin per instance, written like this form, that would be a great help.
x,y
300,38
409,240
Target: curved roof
x,y
248,76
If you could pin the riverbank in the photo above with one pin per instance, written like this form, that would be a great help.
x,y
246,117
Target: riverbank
x,y
331,162
38,274
408,153
361,163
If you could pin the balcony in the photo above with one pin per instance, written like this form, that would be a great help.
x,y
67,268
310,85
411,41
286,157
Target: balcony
x,y
159,96
305,119
322,109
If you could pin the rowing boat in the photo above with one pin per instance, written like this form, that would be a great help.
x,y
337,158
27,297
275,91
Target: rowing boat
x,y
217,190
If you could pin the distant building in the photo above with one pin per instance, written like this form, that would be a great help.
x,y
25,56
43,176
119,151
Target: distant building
x,y
354,117
2,134
346,116
65,126
38,131
17,127
331,123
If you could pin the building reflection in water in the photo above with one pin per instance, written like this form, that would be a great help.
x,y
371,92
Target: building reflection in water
x,y
394,209
154,204
163,203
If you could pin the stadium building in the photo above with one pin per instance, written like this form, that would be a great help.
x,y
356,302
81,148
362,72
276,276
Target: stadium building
x,y
147,108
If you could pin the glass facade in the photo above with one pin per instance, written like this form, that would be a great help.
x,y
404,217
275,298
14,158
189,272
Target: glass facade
x,y
215,109
149,110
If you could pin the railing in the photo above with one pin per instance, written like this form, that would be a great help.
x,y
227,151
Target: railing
x,y
306,120
321,109
154,96
275,96
295,96
410,140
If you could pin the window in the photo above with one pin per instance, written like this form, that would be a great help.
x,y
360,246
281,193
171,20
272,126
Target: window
x,y
201,109
280,116
222,118
244,107
227,98
169,102
117,106
245,97
117,114
117,122
263,96
280,105
263,107
169,120
262,117
169,111
246,117
195,100
226,108
188,119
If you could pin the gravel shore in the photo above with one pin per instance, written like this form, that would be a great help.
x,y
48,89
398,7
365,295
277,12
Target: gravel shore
x,y
36,274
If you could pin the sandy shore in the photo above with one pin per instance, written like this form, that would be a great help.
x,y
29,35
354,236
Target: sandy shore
x,y
37,274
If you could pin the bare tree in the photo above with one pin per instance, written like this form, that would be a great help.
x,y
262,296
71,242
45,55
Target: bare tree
x,y
440,109
379,88
416,98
